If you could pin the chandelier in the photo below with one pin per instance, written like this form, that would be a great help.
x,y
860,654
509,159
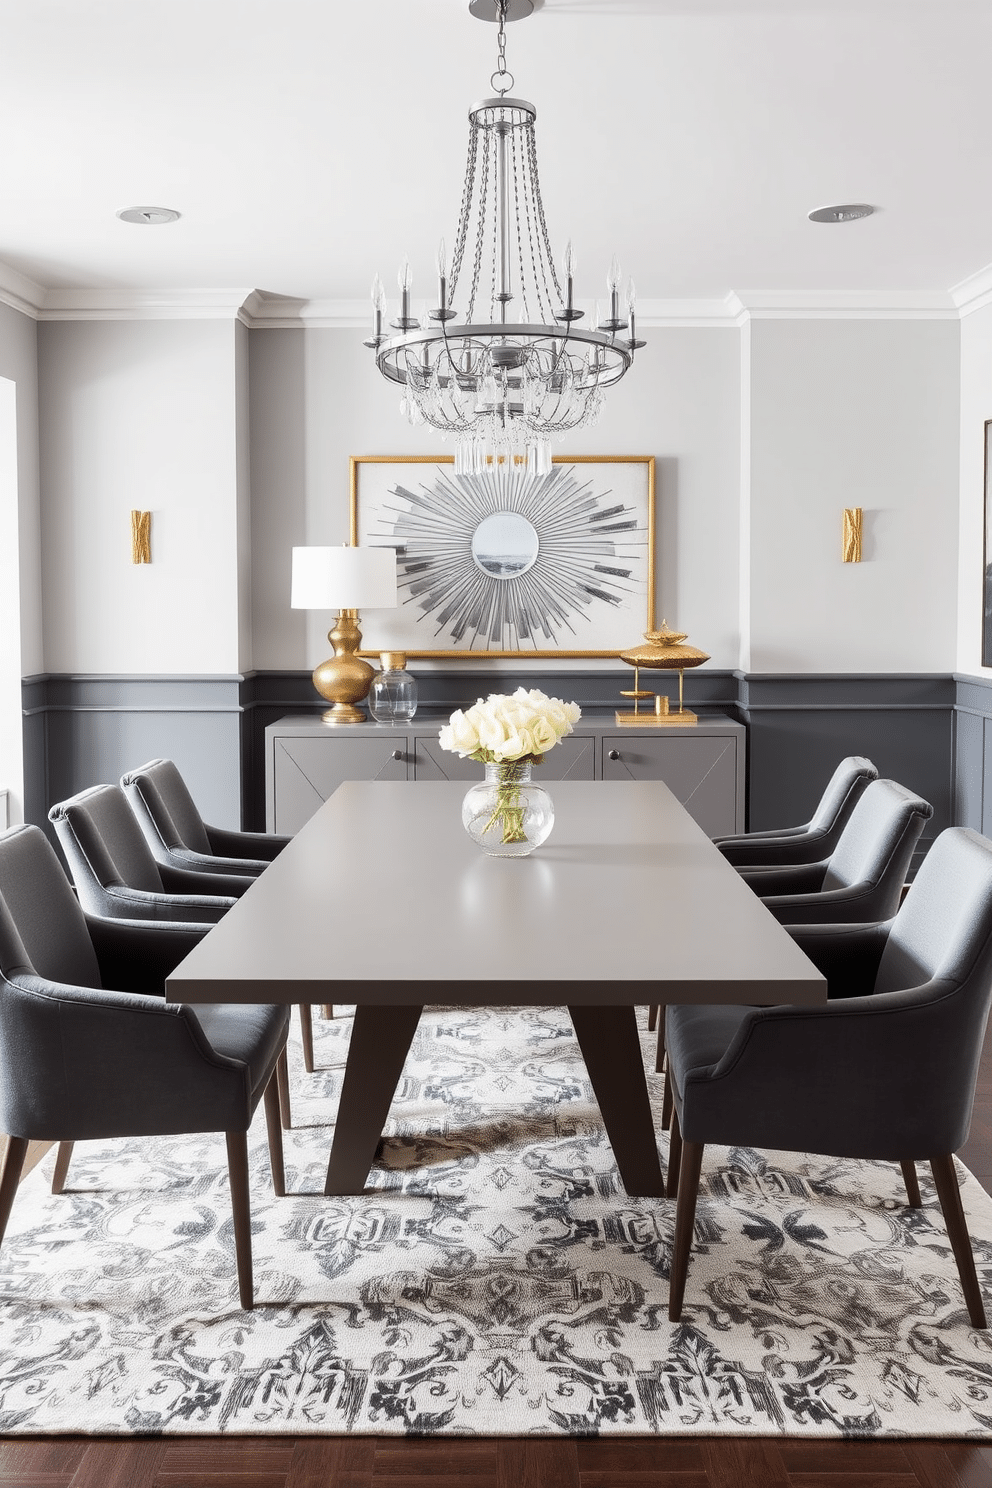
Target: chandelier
x,y
517,368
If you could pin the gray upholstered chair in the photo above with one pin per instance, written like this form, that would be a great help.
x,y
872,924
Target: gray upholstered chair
x,y
901,1037
864,876
79,1061
815,839
176,833
178,837
117,877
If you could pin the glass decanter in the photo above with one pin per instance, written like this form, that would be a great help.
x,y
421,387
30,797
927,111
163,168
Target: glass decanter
x,y
393,694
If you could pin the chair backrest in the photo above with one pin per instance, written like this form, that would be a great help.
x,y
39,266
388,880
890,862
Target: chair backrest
x,y
878,840
843,791
104,846
944,924
160,796
43,922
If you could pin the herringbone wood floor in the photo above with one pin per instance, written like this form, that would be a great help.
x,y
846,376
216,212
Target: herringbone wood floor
x,y
369,1462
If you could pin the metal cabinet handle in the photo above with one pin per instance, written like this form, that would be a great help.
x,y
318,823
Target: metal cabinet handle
x,y
614,754
397,754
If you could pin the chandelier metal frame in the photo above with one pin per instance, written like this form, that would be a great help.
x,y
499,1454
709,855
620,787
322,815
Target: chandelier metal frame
x,y
503,387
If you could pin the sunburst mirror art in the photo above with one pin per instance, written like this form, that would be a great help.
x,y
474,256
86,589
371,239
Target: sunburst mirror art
x,y
510,562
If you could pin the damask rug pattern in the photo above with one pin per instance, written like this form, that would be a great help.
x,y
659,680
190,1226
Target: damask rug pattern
x,y
495,1279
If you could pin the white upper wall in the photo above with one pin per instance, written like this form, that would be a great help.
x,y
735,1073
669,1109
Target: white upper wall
x,y
139,414
317,399
853,413
976,407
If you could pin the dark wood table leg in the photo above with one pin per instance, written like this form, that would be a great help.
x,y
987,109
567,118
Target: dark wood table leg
x,y
611,1048
380,1041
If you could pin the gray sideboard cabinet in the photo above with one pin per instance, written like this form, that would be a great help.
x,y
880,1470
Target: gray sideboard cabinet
x,y
306,761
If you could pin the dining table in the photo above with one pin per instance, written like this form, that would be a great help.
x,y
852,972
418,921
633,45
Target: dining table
x,y
384,903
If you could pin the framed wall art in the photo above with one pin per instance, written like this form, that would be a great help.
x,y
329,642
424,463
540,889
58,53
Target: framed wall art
x,y
510,563
987,554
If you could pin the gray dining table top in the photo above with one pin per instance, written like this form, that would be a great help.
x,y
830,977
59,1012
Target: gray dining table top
x,y
382,897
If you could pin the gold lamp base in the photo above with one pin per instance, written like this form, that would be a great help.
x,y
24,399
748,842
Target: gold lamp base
x,y
661,715
344,679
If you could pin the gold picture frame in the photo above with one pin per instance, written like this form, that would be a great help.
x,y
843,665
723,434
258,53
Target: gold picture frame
x,y
590,573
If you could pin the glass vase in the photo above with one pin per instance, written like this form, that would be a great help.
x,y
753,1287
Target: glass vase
x,y
393,693
508,814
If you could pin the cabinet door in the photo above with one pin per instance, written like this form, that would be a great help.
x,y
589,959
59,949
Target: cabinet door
x,y
572,759
700,770
307,771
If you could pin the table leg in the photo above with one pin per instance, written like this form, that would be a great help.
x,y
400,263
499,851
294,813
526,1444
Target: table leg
x,y
380,1041
611,1048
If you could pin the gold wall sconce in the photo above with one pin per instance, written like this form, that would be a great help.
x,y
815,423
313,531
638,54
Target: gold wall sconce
x,y
141,537
853,516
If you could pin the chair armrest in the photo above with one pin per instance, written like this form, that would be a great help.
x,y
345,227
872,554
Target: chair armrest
x,y
887,1076
142,904
110,1064
848,955
770,850
770,834
185,859
787,878
265,845
138,955
852,903
187,881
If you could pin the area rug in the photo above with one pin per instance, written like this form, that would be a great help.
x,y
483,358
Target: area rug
x,y
494,1280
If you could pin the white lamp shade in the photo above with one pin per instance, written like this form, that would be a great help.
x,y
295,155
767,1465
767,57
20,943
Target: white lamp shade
x,y
344,579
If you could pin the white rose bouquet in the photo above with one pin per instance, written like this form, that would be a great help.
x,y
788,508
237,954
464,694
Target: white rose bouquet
x,y
505,729
511,734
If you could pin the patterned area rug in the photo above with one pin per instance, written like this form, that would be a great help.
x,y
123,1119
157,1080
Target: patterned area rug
x,y
495,1280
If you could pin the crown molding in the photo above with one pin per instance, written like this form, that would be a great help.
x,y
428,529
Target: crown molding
x,y
973,293
20,292
123,304
854,304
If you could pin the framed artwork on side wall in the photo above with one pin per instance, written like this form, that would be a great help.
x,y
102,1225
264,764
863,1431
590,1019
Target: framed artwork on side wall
x,y
987,551
510,563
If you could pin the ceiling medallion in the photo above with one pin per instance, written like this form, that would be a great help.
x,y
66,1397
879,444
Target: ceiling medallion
x,y
850,212
149,216
517,368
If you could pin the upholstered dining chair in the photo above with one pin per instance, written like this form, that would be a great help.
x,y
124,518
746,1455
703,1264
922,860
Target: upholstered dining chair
x,y
864,877
176,833
901,1036
116,877
178,837
862,880
79,1061
815,839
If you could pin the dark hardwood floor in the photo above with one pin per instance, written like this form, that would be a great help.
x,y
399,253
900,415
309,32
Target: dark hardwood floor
x,y
389,1462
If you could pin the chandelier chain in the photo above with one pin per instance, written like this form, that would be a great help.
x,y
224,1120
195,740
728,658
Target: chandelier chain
x,y
520,241
480,233
539,206
494,314
537,257
466,208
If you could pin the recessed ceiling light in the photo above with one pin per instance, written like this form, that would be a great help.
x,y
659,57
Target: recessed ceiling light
x,y
148,216
849,213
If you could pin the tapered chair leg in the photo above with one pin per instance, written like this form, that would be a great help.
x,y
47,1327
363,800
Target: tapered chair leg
x,y
306,1029
11,1166
946,1179
667,1104
282,1085
912,1184
328,1009
652,1017
63,1158
685,1218
659,1056
237,1167
674,1158
273,1127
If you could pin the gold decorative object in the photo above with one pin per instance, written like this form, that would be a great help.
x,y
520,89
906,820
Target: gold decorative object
x,y
664,652
344,578
141,537
853,516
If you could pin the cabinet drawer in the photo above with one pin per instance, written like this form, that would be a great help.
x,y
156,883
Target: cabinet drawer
x,y
307,771
700,770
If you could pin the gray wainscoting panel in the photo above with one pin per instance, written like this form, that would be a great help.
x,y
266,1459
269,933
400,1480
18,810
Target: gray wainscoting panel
x,y
87,730
973,753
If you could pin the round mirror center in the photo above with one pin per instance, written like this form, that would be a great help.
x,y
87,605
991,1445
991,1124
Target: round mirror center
x,y
505,545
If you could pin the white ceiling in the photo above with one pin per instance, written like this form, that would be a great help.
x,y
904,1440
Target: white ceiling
x,y
309,143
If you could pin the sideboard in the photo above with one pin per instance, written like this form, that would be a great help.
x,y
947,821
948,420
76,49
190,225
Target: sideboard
x,y
702,764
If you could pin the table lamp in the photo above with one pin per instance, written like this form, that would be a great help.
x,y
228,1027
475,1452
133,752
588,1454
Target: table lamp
x,y
347,580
